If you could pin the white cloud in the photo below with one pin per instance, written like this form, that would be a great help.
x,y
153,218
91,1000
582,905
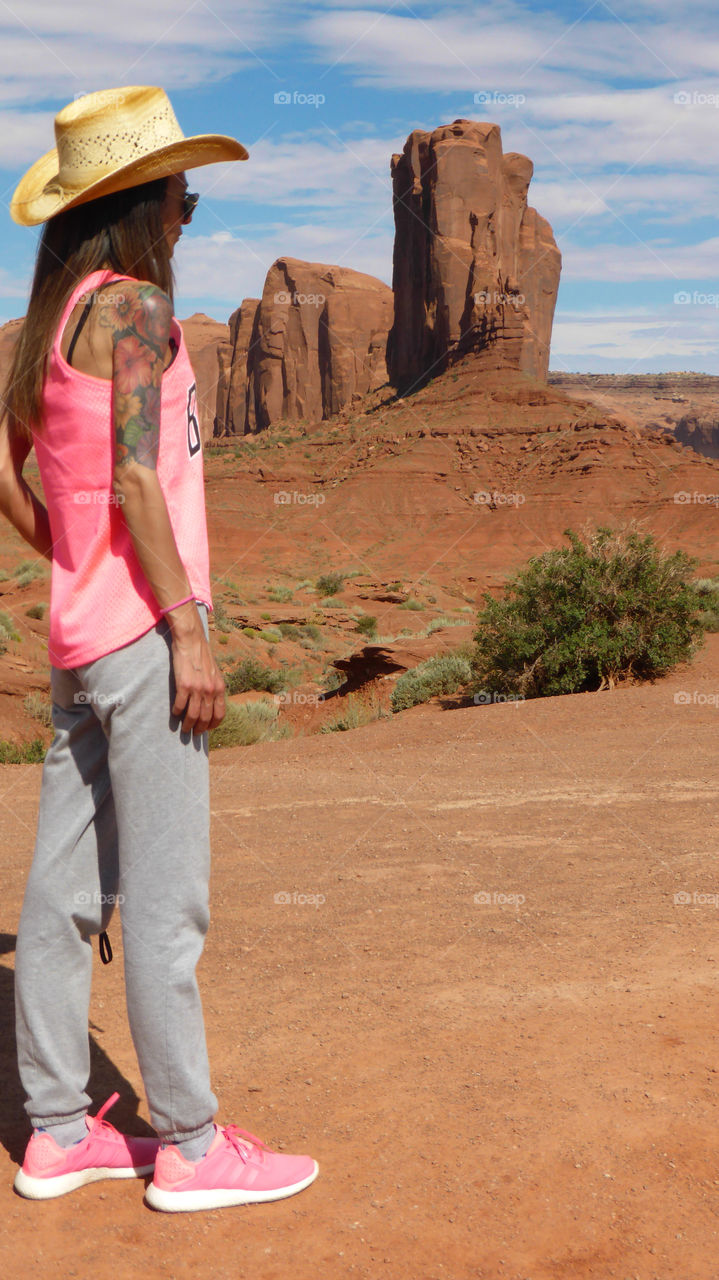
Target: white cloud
x,y
624,343
224,269
644,260
52,50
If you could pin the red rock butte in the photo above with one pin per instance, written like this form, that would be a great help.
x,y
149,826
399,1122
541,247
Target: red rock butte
x,y
475,267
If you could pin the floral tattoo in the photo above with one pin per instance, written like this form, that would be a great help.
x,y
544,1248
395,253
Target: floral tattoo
x,y
140,320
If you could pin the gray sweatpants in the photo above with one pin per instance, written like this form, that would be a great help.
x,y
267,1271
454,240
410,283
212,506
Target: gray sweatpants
x,y
123,817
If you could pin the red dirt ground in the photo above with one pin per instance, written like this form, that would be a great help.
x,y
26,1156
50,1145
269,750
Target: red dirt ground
x,y
520,1088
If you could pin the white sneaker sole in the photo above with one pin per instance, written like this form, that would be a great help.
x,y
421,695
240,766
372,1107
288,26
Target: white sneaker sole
x,y
49,1188
221,1198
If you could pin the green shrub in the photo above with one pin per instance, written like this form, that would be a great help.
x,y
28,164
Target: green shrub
x,y
36,611
358,712
585,616
411,604
270,635
39,707
280,595
367,625
221,621
437,624
708,589
27,753
445,673
250,674
329,584
245,725
28,570
7,630
288,631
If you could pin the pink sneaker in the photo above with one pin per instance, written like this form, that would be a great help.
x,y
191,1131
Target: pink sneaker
x,y
237,1169
49,1170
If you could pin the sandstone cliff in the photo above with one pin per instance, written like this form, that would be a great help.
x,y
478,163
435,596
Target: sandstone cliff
x,y
474,268
314,343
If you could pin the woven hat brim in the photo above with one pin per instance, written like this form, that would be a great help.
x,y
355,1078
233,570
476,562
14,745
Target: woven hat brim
x,y
32,203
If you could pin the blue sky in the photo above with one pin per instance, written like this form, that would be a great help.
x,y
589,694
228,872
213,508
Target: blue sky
x,y
618,108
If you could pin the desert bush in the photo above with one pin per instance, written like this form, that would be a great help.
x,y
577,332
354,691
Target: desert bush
x,y
445,673
7,631
245,725
367,625
329,584
26,753
222,622
611,608
708,589
357,713
27,571
36,611
279,594
39,707
250,674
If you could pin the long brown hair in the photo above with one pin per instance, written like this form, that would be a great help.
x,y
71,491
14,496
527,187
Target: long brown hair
x,y
123,232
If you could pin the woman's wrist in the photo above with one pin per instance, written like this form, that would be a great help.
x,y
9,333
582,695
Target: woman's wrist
x,y
184,619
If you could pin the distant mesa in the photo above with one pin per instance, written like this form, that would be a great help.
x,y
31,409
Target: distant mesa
x,y
700,431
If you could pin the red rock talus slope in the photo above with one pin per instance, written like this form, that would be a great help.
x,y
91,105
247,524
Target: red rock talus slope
x,y
474,267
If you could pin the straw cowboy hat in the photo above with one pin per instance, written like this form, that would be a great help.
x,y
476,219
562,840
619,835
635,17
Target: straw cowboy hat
x,y
110,141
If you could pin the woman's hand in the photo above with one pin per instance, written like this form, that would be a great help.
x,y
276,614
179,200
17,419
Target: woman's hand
x,y
200,689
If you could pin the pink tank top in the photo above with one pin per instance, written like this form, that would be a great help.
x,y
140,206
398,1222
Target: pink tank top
x,y
100,598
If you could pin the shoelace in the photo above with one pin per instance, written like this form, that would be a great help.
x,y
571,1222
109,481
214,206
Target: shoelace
x,y
98,1120
240,1139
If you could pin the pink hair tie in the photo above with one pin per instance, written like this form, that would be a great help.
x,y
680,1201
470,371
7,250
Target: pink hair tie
x,y
170,607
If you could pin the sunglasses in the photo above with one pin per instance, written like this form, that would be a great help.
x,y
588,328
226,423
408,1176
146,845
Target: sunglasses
x,y
189,204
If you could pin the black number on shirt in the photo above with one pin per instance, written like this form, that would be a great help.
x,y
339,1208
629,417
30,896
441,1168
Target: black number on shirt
x,y
193,427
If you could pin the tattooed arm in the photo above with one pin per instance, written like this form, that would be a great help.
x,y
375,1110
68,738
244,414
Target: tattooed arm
x,y
140,336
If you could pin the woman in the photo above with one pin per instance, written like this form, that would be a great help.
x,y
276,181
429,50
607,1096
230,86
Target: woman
x,y
102,385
